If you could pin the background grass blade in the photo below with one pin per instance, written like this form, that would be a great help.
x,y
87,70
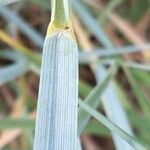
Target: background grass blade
x,y
27,29
9,123
4,2
112,126
91,24
103,53
104,13
93,99
144,67
142,99
141,76
34,57
19,67
109,98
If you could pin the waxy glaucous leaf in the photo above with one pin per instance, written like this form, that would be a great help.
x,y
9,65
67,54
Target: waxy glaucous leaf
x,y
56,124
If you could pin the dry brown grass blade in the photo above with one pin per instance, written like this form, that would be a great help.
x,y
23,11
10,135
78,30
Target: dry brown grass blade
x,y
18,46
81,35
119,42
129,32
127,29
86,45
89,143
12,42
83,38
112,35
95,3
9,135
5,92
143,24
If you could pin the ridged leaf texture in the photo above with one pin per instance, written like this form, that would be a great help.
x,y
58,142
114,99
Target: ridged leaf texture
x,y
56,123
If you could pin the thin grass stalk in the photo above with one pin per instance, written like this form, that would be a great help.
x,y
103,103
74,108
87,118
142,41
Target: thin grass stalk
x,y
7,2
110,100
33,57
10,72
139,66
93,99
108,9
142,99
60,13
111,126
109,52
27,29
91,24
56,122
20,66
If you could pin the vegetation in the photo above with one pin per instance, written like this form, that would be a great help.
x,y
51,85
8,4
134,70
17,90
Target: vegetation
x,y
113,103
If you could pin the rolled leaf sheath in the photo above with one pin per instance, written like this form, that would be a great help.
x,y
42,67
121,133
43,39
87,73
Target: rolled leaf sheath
x,y
56,122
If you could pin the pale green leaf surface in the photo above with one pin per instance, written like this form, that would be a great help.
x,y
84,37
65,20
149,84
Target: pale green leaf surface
x,y
56,123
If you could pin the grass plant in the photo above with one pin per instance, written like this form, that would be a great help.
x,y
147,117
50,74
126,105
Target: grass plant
x,y
114,108
56,123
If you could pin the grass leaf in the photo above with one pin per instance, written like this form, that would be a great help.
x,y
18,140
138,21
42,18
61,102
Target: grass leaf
x,y
113,108
58,94
34,57
93,99
27,29
10,123
104,53
110,125
10,72
142,99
